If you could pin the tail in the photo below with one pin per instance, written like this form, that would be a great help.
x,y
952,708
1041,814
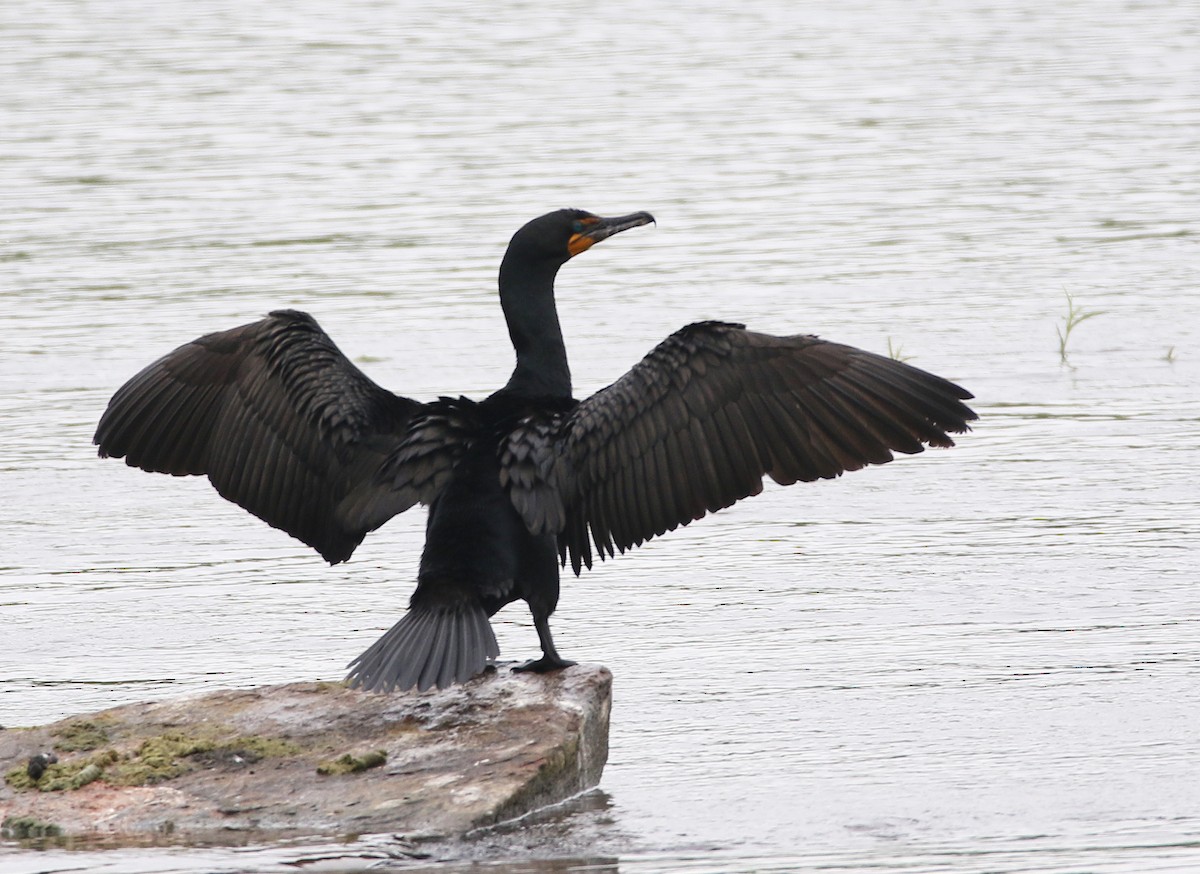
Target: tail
x,y
427,647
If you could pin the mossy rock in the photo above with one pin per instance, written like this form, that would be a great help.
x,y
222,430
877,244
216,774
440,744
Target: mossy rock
x,y
82,735
63,776
156,760
352,764
22,828
238,763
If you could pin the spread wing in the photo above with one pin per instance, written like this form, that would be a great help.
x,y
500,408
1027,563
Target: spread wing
x,y
697,423
282,423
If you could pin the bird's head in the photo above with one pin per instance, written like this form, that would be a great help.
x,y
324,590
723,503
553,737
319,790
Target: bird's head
x,y
561,235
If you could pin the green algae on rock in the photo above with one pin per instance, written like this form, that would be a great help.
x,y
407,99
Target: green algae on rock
x,y
81,735
352,764
22,828
156,759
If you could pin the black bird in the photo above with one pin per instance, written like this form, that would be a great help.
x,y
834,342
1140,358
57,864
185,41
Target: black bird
x,y
283,424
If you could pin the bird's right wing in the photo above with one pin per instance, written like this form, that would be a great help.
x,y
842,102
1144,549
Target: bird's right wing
x,y
279,419
695,425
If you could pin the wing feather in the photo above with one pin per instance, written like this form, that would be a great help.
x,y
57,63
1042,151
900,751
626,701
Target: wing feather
x,y
281,422
697,424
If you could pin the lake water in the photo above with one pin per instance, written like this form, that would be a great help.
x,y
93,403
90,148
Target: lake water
x,y
978,660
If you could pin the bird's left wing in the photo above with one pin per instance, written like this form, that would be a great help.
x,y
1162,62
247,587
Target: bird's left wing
x,y
696,424
281,422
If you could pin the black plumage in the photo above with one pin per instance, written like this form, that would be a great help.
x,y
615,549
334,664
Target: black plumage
x,y
284,425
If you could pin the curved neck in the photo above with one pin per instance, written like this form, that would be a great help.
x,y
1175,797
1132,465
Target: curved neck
x,y
527,298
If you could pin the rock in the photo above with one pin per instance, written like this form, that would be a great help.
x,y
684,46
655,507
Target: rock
x,y
313,759
38,764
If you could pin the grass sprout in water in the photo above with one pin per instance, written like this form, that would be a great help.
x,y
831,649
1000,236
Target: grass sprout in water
x,y
1075,316
896,353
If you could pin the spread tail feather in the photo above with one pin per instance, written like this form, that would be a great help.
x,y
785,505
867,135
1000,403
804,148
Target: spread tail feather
x,y
427,647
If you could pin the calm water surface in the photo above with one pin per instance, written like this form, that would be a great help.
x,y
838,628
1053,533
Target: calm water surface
x,y
982,660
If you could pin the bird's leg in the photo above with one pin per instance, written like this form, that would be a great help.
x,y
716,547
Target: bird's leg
x,y
550,660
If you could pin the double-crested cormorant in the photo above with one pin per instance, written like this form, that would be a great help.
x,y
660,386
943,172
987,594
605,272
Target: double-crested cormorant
x,y
283,424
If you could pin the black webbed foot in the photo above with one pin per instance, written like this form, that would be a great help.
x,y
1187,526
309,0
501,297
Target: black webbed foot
x,y
543,665
550,660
